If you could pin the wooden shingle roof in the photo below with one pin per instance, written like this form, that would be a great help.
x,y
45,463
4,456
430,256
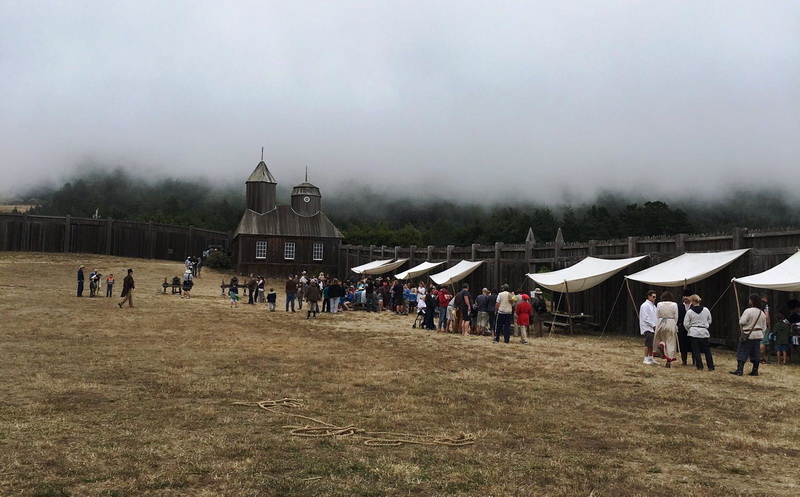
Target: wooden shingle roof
x,y
284,221
261,174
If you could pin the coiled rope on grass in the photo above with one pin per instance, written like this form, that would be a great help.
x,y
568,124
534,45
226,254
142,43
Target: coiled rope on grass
x,y
371,438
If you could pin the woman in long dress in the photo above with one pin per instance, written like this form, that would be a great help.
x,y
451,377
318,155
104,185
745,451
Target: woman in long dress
x,y
666,336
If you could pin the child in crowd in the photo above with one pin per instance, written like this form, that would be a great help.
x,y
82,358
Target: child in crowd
x,y
272,298
109,284
233,291
412,300
782,329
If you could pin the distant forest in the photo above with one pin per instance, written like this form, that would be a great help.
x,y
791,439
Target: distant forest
x,y
380,219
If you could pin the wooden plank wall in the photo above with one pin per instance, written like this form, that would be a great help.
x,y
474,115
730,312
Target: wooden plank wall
x,y
24,232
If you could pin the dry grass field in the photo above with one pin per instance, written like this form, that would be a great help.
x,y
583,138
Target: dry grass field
x,y
5,208
101,401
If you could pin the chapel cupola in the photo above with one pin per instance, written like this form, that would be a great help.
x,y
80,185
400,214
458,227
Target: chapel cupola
x,y
306,199
261,189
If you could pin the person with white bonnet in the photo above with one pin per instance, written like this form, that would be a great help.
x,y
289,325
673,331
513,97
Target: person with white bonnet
x,y
187,283
539,305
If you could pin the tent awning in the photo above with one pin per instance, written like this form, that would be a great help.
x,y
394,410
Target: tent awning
x,y
686,268
370,265
384,268
587,273
417,270
455,273
784,277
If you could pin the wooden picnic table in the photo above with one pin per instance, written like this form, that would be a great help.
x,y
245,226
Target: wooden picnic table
x,y
569,319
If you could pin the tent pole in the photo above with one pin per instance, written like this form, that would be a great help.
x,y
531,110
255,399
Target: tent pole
x,y
612,309
553,322
636,309
569,309
736,293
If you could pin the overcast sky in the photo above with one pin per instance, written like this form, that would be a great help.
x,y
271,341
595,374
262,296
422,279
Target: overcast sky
x,y
453,98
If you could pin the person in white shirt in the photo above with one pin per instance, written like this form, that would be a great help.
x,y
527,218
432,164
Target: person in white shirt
x,y
505,311
647,325
753,323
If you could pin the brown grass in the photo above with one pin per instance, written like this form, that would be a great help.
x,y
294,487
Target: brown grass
x,y
5,208
103,401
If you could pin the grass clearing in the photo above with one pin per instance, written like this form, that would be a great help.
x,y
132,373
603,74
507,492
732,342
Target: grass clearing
x,y
100,401
6,208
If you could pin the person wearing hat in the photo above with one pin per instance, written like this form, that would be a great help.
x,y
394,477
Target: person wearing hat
x,y
523,311
127,289
539,305
80,281
188,276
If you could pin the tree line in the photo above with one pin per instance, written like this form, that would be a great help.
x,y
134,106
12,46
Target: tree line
x,y
374,219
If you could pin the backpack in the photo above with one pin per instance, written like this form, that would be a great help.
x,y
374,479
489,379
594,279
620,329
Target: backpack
x,y
540,306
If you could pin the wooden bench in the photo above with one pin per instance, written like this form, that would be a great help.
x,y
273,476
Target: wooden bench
x,y
242,287
175,285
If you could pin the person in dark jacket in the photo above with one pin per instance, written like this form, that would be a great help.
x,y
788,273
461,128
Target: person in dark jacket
x,y
312,297
252,288
127,289
369,296
397,296
431,301
80,281
335,293
683,335
491,302
291,292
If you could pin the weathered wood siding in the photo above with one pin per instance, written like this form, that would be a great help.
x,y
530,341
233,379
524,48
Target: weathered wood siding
x,y
276,266
23,232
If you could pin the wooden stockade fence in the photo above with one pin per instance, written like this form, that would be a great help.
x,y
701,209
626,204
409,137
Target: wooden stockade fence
x,y
507,263
30,233
503,263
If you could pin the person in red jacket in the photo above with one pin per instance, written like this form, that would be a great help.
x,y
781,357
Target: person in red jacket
x,y
444,301
523,311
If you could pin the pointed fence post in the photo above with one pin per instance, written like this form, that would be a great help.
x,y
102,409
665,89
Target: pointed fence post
x,y
498,253
559,244
67,232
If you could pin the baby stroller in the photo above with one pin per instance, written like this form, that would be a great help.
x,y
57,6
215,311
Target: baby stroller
x,y
420,319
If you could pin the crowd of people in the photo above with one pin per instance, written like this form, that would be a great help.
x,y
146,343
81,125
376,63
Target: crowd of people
x,y
670,330
95,285
491,313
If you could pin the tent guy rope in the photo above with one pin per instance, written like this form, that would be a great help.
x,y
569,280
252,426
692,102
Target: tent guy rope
x,y
319,428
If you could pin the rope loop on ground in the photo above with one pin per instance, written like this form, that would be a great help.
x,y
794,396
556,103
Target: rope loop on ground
x,y
321,429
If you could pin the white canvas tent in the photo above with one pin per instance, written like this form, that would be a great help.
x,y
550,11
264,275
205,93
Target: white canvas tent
x,y
389,266
686,268
455,273
417,270
369,266
784,277
586,274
